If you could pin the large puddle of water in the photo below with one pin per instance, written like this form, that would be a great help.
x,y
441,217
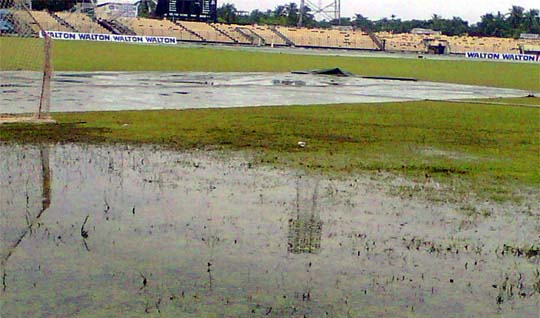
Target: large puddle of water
x,y
104,91
117,231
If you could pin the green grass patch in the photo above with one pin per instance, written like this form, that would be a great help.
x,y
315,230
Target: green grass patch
x,y
96,56
488,147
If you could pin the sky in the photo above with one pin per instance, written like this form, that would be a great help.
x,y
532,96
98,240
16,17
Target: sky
x,y
469,10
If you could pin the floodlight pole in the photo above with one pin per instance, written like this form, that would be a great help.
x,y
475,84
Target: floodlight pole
x,y
337,13
328,9
301,15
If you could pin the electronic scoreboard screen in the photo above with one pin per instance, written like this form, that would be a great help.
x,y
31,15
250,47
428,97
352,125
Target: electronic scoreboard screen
x,y
199,10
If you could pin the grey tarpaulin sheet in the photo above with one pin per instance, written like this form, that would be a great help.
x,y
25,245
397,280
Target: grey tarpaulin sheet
x,y
100,91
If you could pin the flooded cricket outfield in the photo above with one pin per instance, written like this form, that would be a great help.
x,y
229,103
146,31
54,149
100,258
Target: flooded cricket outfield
x,y
114,91
122,231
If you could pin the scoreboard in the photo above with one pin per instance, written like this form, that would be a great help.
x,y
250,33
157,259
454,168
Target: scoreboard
x,y
198,10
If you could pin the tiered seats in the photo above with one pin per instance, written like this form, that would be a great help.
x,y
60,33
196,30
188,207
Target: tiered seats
x,y
521,42
328,38
405,42
206,31
82,23
531,45
269,36
23,18
231,30
304,36
457,44
462,44
46,21
155,27
333,38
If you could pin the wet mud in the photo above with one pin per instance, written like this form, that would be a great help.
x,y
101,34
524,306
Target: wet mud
x,y
118,231
108,91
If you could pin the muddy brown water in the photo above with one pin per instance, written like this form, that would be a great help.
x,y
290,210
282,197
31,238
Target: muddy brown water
x,y
118,231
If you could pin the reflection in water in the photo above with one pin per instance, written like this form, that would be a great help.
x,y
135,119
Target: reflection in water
x,y
31,221
140,232
46,179
305,228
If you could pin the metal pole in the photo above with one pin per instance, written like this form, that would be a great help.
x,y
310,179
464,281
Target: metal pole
x,y
301,17
45,99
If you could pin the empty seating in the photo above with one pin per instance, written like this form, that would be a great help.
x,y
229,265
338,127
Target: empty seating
x,y
276,35
405,42
45,20
82,23
23,18
328,38
155,27
457,44
266,34
206,31
232,31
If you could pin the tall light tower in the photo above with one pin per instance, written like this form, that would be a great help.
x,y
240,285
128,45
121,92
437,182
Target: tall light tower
x,y
301,15
322,9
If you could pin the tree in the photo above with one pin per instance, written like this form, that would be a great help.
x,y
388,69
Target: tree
x,y
516,21
515,16
227,13
362,22
147,8
531,21
491,25
343,21
256,16
53,5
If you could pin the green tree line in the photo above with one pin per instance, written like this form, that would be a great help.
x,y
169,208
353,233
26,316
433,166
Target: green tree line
x,y
511,24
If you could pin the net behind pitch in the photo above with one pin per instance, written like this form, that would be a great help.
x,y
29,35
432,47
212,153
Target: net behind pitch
x,y
25,61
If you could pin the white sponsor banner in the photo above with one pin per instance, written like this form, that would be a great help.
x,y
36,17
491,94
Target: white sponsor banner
x,y
110,37
531,58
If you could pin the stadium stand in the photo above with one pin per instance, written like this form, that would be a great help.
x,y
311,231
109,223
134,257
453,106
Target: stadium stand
x,y
143,26
81,22
530,49
206,31
234,32
419,41
44,19
115,27
404,42
486,44
248,33
328,38
266,34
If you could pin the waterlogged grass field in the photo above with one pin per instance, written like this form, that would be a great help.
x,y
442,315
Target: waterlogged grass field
x,y
489,146
96,56
103,217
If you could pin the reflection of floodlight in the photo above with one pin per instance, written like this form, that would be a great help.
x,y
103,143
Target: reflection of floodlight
x,y
305,235
305,229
